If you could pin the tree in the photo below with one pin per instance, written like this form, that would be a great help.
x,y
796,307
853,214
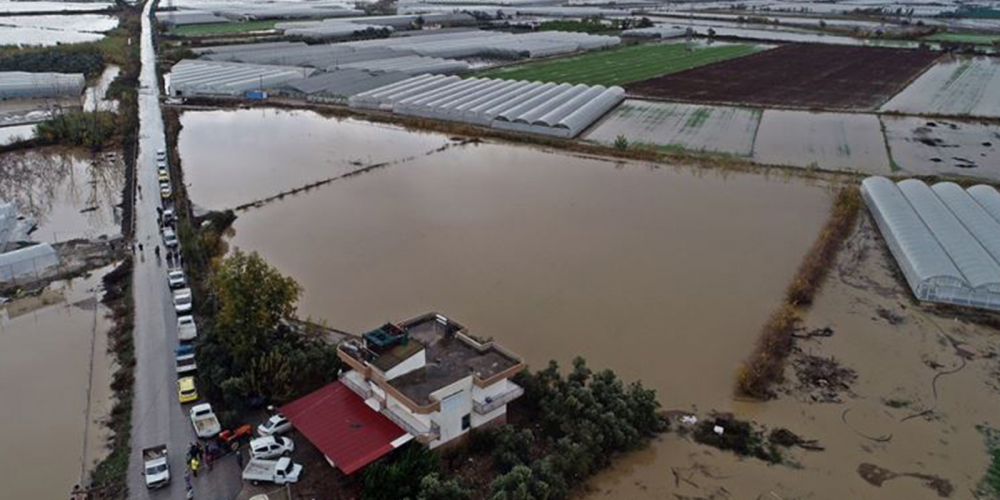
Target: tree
x,y
520,484
399,476
253,299
432,487
512,447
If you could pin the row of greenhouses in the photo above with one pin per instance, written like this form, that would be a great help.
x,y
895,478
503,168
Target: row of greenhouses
x,y
945,239
561,110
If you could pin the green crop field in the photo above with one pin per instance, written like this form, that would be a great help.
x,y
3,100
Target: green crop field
x,y
621,65
963,38
223,28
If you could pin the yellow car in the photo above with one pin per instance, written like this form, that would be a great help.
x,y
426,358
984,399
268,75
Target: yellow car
x,y
164,176
186,391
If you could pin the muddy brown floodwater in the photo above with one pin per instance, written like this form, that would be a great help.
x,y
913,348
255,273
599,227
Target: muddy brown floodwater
x,y
69,193
55,377
553,255
236,157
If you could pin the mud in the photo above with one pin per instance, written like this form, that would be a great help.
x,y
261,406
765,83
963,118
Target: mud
x,y
55,376
913,409
944,147
797,76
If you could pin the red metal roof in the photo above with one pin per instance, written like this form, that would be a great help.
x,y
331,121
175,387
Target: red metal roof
x,y
342,426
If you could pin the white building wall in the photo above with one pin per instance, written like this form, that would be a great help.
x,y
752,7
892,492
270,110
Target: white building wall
x,y
456,402
414,362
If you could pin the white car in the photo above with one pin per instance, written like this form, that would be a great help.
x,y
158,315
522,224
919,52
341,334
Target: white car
x,y
183,300
271,447
170,238
176,278
169,216
274,426
161,154
187,330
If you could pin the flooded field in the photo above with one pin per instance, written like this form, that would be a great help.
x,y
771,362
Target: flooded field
x,y
714,129
904,427
935,147
962,86
272,151
69,193
55,376
53,29
553,255
831,141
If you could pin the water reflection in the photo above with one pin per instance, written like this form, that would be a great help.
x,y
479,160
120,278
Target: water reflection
x,y
69,194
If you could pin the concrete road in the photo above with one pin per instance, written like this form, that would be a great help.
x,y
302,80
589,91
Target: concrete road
x,y
157,417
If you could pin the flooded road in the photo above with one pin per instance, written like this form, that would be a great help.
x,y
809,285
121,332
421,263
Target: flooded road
x,y
69,193
553,255
95,97
271,151
55,375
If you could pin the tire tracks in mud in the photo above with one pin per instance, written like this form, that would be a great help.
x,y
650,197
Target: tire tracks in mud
x,y
261,202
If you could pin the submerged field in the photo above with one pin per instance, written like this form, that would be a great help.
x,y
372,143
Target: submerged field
x,y
960,86
713,129
830,141
622,65
797,76
944,147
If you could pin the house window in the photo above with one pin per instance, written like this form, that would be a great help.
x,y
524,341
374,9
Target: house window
x,y
467,421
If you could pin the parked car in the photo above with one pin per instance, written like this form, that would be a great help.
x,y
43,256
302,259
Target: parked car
x,y
271,447
161,155
280,471
274,426
170,238
187,330
169,216
176,277
155,466
186,390
165,190
185,359
164,175
183,300
206,424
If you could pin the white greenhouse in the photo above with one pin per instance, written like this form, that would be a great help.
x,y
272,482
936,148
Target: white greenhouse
x,y
534,107
24,85
215,78
945,239
28,262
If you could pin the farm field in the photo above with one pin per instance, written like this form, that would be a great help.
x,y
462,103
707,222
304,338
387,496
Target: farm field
x,y
715,129
224,28
937,147
800,76
622,65
980,39
963,86
830,141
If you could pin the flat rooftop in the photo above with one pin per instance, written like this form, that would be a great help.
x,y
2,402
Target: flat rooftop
x,y
449,356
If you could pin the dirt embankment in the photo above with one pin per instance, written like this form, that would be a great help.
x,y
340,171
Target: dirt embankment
x,y
766,365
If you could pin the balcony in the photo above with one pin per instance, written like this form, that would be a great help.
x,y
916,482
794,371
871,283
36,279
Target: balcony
x,y
493,402
412,425
354,382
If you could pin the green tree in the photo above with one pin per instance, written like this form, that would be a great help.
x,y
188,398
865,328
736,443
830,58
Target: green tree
x,y
253,298
520,483
512,447
432,487
399,476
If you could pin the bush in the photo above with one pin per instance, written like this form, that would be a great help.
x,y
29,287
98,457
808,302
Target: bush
x,y
512,447
92,129
400,477
621,142
767,363
55,60
433,488
821,256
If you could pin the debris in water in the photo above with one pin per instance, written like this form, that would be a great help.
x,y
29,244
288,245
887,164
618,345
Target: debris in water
x,y
876,476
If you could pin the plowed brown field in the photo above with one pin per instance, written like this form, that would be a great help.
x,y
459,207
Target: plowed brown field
x,y
799,76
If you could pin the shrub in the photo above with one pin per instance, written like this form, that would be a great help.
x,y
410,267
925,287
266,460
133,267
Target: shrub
x,y
400,477
92,129
621,142
512,447
821,256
